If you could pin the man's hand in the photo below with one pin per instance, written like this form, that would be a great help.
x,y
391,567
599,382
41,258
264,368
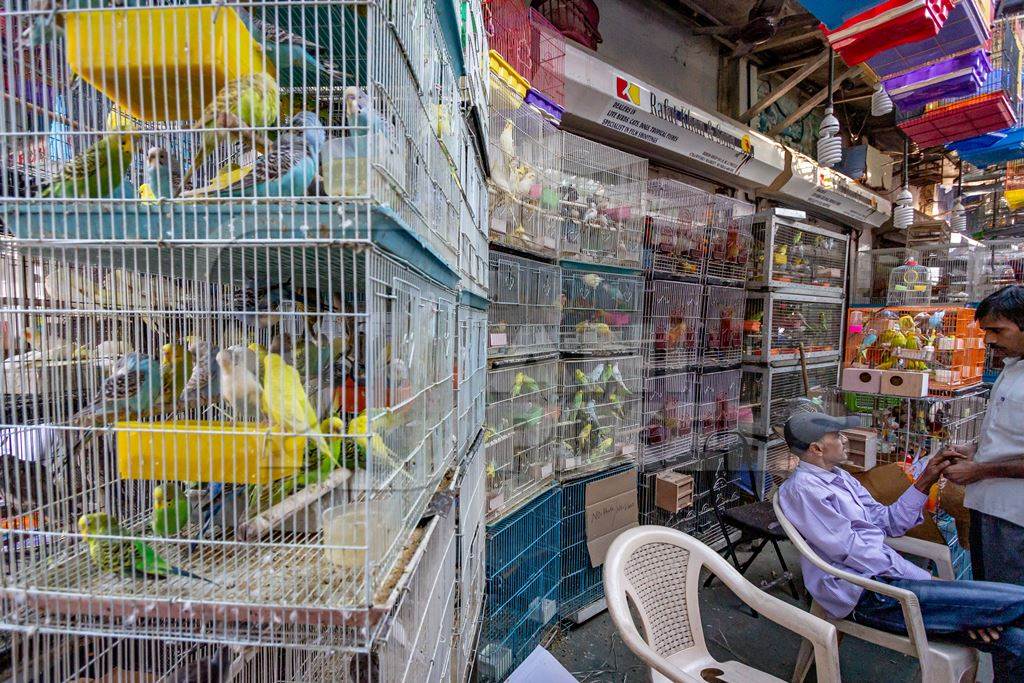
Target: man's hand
x,y
965,451
937,465
965,472
988,635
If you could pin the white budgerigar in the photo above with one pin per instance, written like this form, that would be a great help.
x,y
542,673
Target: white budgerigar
x,y
240,386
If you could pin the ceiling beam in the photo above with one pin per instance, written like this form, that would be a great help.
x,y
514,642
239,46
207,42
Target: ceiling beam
x,y
788,38
812,102
783,88
784,66
715,21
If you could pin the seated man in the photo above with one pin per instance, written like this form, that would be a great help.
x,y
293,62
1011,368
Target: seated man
x,y
847,528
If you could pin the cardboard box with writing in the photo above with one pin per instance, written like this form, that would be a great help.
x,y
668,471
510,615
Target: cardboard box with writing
x,y
611,508
673,491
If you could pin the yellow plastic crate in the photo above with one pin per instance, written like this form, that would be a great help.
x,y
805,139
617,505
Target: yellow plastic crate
x,y
162,64
504,71
194,450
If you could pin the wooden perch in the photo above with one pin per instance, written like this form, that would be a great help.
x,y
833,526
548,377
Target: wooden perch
x,y
263,524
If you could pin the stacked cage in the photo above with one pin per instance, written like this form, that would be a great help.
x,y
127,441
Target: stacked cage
x,y
790,256
240,372
676,229
952,272
470,371
999,263
472,504
773,393
601,310
871,272
530,45
525,310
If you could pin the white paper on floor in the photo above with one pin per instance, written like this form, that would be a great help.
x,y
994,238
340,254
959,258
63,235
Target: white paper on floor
x,y
541,667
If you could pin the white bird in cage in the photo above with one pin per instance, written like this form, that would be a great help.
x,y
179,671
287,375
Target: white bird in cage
x,y
591,215
132,389
203,386
47,345
239,381
526,178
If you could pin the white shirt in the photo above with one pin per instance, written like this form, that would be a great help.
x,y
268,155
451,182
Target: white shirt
x,y
1002,438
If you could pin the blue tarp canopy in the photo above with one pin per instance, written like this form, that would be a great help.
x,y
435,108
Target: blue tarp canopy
x,y
991,148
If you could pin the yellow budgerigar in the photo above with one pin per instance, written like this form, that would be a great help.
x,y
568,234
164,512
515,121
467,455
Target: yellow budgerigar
x,y
285,402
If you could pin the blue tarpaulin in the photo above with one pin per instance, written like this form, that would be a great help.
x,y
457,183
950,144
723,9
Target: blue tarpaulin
x,y
991,148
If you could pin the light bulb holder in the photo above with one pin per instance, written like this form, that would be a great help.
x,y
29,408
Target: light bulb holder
x,y
881,103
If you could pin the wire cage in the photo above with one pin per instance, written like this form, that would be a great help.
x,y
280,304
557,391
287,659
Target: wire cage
x,y
520,431
524,148
525,309
795,257
529,43
952,272
547,51
470,375
723,326
600,417
669,401
675,231
581,582
778,325
773,463
999,263
471,568
729,241
523,573
601,310
672,324
473,238
248,408
771,392
910,284
684,520
872,268
601,203
994,358
718,401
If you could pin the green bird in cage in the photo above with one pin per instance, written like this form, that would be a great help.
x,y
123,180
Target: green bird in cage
x,y
112,549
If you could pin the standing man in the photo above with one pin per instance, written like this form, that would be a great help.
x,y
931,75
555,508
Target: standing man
x,y
993,470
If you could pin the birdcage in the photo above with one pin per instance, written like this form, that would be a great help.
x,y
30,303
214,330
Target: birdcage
x,y
778,326
520,432
600,416
952,272
999,263
723,326
524,211
471,539
871,271
667,429
910,284
773,462
601,310
525,308
470,374
729,241
601,203
547,52
523,572
529,43
581,585
473,249
684,519
795,257
718,401
771,392
672,324
675,233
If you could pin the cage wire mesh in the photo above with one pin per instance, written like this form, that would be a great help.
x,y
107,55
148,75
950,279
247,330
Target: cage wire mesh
x,y
684,520
910,284
792,256
473,247
773,463
673,324
471,576
722,343
667,429
716,475
529,43
999,263
547,53
470,375
870,280
521,432
778,325
718,405
601,310
525,307
729,241
600,415
675,230
770,392
952,272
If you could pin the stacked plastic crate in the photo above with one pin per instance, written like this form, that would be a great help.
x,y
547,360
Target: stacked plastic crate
x,y
793,324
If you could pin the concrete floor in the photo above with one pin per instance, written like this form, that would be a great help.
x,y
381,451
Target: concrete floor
x,y
594,652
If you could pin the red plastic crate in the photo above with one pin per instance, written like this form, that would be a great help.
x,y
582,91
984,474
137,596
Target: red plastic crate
x,y
886,26
962,120
529,43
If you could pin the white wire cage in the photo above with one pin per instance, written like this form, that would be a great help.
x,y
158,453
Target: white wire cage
x,y
471,561
599,424
525,310
999,263
470,375
601,311
473,244
684,520
910,284
792,256
871,270
771,392
673,323
773,463
601,203
676,229
952,272
729,241
524,148
723,324
777,325
520,432
669,403
718,400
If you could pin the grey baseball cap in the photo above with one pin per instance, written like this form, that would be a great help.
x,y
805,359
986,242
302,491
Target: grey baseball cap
x,y
803,429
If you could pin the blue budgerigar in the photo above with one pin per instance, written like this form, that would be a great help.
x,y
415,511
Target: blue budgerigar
x,y
163,173
129,391
297,60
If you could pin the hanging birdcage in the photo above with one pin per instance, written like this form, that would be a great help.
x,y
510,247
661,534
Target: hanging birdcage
x,y
909,285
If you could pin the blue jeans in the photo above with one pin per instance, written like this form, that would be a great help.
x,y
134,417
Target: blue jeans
x,y
951,608
996,556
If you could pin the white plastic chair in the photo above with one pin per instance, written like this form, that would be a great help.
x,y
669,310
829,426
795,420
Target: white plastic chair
x,y
657,571
940,662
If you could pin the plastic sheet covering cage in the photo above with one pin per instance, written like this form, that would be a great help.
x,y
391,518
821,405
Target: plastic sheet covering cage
x,y
777,325
525,186
291,480
772,391
602,404
729,241
676,229
952,272
673,324
945,341
994,106
795,257
718,400
471,546
668,421
601,202
525,311
520,433
470,375
360,108
773,462
529,43
723,326
523,573
581,583
473,247
871,274
999,263
601,310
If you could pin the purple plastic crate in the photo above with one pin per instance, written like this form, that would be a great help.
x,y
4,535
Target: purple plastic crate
x,y
966,29
959,76
544,103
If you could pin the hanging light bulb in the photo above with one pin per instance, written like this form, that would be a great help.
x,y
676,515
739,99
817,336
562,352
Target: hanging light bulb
x,y
881,103
958,217
903,206
830,146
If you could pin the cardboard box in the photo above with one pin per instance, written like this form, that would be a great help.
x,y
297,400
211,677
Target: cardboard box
x,y
904,383
611,508
862,448
673,491
862,380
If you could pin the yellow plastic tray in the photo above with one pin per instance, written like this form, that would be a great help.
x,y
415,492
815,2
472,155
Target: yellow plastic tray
x,y
1015,199
162,64
505,72
193,450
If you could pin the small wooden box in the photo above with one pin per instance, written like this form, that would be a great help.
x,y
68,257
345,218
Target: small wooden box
x,y
673,491
862,380
862,448
904,383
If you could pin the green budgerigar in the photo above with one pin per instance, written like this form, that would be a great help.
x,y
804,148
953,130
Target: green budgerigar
x,y
112,550
96,172
171,511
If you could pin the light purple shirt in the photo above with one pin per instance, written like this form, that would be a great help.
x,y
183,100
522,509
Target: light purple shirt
x,y
847,528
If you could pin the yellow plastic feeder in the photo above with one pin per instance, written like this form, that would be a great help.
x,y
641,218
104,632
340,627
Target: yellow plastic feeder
x,y
504,71
194,450
162,64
